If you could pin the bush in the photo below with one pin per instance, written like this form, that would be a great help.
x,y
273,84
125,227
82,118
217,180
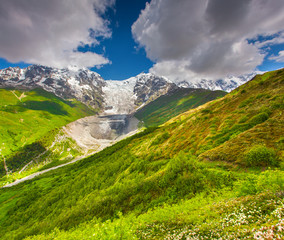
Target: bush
x,y
162,138
206,111
261,156
246,102
269,180
259,118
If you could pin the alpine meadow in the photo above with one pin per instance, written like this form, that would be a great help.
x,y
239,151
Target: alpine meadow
x,y
211,172
142,120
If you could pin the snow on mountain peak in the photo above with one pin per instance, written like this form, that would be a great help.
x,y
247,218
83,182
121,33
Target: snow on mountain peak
x,y
74,68
82,84
125,96
227,84
115,97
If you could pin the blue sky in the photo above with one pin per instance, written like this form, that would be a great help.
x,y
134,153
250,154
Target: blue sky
x,y
182,40
127,60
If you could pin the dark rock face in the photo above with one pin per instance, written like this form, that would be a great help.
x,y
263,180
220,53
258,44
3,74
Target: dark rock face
x,y
148,87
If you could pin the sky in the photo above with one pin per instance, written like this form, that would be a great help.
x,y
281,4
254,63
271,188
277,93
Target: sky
x,y
179,39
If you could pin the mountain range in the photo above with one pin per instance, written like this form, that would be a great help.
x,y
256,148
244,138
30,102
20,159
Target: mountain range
x,y
213,171
88,87
114,97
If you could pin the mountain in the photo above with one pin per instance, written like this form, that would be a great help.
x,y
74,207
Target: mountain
x,y
81,84
44,121
111,96
209,173
227,84
116,97
152,99
174,103
124,97
37,102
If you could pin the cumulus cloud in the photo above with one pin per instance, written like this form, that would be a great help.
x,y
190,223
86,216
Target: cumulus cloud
x,y
279,57
49,32
206,38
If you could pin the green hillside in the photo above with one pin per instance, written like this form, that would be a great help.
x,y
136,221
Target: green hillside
x,y
212,172
29,120
174,103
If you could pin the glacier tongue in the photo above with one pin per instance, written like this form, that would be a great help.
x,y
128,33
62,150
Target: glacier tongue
x,y
124,97
119,97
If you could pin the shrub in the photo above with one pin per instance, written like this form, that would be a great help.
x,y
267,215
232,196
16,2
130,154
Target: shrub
x,y
269,180
259,118
243,119
246,102
160,139
206,111
260,155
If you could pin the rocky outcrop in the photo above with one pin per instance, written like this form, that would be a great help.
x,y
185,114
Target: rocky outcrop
x,y
148,87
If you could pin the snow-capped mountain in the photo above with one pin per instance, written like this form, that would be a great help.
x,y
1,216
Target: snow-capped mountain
x,y
227,84
125,96
115,97
82,84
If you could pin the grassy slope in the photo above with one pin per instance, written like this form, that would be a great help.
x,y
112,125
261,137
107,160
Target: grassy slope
x,y
34,117
174,103
160,166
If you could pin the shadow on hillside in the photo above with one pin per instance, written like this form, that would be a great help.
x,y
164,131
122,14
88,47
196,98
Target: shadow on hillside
x,y
48,106
51,107
23,156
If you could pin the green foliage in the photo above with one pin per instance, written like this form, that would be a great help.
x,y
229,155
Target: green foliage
x,y
246,102
206,111
166,107
270,180
214,216
243,119
161,138
139,190
260,155
29,122
259,118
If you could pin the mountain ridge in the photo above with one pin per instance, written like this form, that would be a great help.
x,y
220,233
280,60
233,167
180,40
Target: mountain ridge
x,y
87,86
91,89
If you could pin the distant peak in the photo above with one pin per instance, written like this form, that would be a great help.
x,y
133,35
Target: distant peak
x,y
75,68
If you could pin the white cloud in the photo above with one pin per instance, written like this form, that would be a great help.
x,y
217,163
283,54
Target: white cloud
x,y
191,40
279,57
49,32
278,39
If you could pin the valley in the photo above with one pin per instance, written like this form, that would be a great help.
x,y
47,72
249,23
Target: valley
x,y
142,120
212,171
112,104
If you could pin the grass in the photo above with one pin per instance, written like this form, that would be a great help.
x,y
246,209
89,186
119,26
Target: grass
x,y
186,178
29,122
202,217
174,103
